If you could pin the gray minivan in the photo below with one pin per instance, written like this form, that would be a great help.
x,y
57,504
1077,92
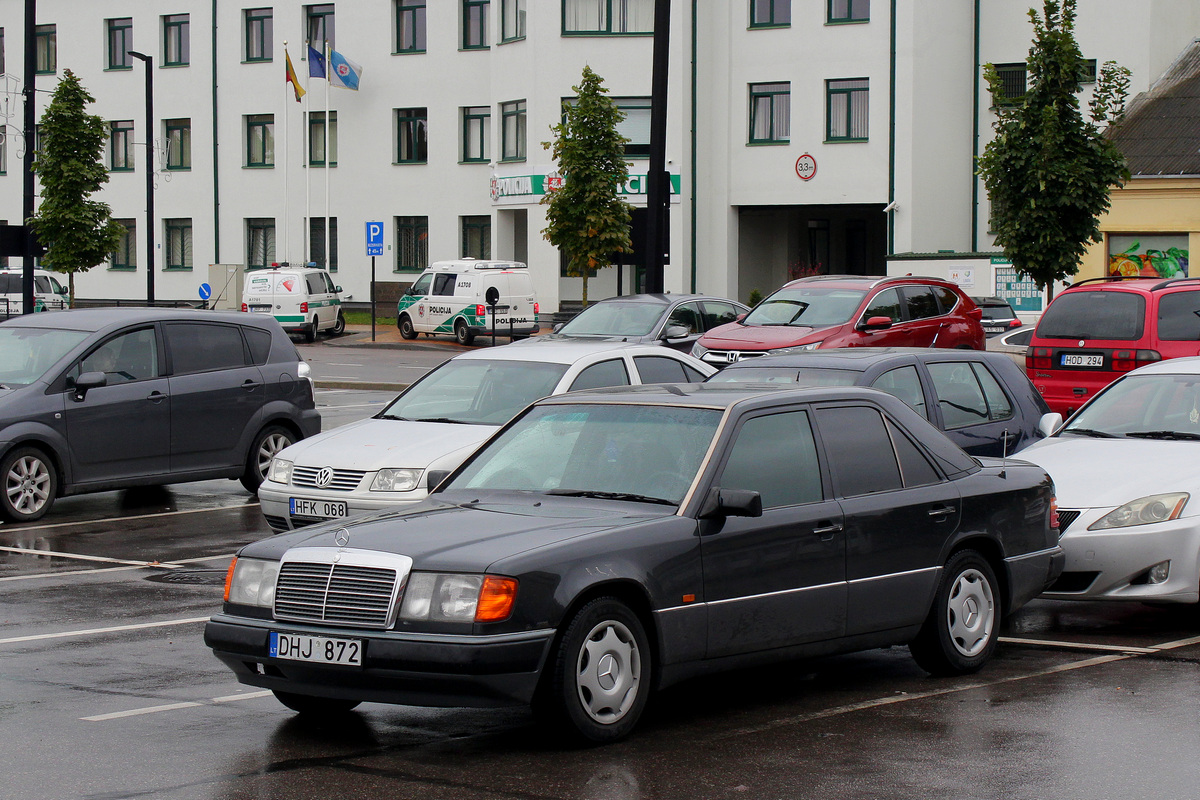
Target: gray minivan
x,y
108,398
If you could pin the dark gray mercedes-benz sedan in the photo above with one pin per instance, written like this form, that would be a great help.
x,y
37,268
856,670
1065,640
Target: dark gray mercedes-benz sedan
x,y
611,542
97,399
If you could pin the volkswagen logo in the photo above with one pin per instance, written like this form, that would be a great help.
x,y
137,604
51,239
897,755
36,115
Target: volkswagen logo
x,y
324,477
342,537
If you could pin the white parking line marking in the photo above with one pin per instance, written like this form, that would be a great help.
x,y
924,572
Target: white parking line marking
x,y
136,712
93,631
78,556
1112,648
106,570
342,364
230,698
126,519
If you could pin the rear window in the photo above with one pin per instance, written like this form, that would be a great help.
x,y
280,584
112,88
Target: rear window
x,y
997,312
1094,315
1179,316
10,284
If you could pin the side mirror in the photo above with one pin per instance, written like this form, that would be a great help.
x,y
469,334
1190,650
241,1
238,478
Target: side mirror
x,y
676,332
880,323
1049,423
88,381
731,503
337,289
558,326
739,318
435,476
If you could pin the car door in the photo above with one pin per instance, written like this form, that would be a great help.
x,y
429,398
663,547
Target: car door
x,y
924,321
609,372
888,304
215,394
898,513
684,315
664,369
412,302
974,409
441,305
121,430
779,579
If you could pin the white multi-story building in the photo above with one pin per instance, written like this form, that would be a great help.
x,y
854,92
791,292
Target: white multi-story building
x,y
831,135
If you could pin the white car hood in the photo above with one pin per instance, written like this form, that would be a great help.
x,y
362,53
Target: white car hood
x,y
373,444
1099,473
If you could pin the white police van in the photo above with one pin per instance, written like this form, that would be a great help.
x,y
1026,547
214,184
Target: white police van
x,y
451,297
304,300
48,293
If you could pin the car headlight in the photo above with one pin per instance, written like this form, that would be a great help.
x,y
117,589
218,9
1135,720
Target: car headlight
x,y
698,350
1143,511
796,348
395,480
280,471
251,582
451,597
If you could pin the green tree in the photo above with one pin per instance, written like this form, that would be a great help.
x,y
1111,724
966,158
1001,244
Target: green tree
x,y
1048,172
78,232
586,218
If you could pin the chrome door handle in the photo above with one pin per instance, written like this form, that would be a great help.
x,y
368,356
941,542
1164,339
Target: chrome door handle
x,y
941,512
827,531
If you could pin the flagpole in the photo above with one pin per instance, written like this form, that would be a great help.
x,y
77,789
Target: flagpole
x,y
325,130
307,166
286,195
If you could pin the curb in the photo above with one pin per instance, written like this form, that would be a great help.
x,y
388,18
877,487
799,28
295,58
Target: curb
x,y
362,385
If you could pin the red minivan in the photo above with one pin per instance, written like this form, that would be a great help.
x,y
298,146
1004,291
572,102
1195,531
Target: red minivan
x,y
825,311
1101,328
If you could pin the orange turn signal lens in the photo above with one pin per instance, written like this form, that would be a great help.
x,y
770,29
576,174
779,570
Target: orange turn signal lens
x,y
229,577
496,598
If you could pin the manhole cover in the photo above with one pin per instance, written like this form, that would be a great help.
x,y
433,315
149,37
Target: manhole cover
x,y
195,577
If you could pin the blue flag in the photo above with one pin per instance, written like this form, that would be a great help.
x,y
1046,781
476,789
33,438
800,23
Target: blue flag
x,y
344,72
316,63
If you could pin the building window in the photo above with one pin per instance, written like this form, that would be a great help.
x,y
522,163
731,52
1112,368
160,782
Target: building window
x,y
512,20
770,113
770,13
125,256
410,26
846,110
512,132
477,237
260,140
317,143
120,146
120,42
260,243
1012,83
1088,72
179,143
607,17
178,243
635,126
849,10
412,243
45,40
412,146
316,242
319,24
176,40
474,24
260,34
475,129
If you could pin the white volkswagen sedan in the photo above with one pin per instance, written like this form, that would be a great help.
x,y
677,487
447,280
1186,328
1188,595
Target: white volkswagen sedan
x,y
389,459
1125,472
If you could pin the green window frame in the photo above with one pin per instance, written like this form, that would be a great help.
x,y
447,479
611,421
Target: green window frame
x,y
177,48
770,113
260,34
319,24
512,20
260,140
608,17
120,42
316,242
45,41
846,110
477,237
475,24
410,26
412,244
412,136
841,11
317,143
120,145
260,243
177,241
179,143
125,256
770,13
476,125
1,51
513,123
3,149
1013,83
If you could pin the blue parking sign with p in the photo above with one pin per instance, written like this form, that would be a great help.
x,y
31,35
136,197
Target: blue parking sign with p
x,y
374,238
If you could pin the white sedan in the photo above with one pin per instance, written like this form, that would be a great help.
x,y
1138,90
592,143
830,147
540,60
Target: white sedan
x,y
1125,470
389,459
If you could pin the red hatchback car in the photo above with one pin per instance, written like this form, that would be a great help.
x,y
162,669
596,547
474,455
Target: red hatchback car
x,y
827,311
1101,328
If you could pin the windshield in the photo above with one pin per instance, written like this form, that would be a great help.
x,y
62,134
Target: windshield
x,y
475,391
814,306
597,450
1143,406
1094,315
26,353
614,319
805,376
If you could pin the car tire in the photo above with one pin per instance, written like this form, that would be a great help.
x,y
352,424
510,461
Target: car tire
x,y
963,627
602,673
269,441
310,331
339,325
462,334
307,704
407,331
29,484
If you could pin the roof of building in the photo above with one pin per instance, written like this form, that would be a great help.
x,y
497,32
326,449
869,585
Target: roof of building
x,y
1159,134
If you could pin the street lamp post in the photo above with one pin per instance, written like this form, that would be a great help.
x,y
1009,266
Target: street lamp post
x,y
149,62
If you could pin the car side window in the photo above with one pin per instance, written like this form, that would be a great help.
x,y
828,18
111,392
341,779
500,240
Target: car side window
x,y
859,449
946,298
443,283
606,373
903,383
776,456
959,395
717,313
260,344
314,283
1179,316
202,347
884,304
687,315
999,406
915,469
329,287
659,369
920,302
132,356
421,287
